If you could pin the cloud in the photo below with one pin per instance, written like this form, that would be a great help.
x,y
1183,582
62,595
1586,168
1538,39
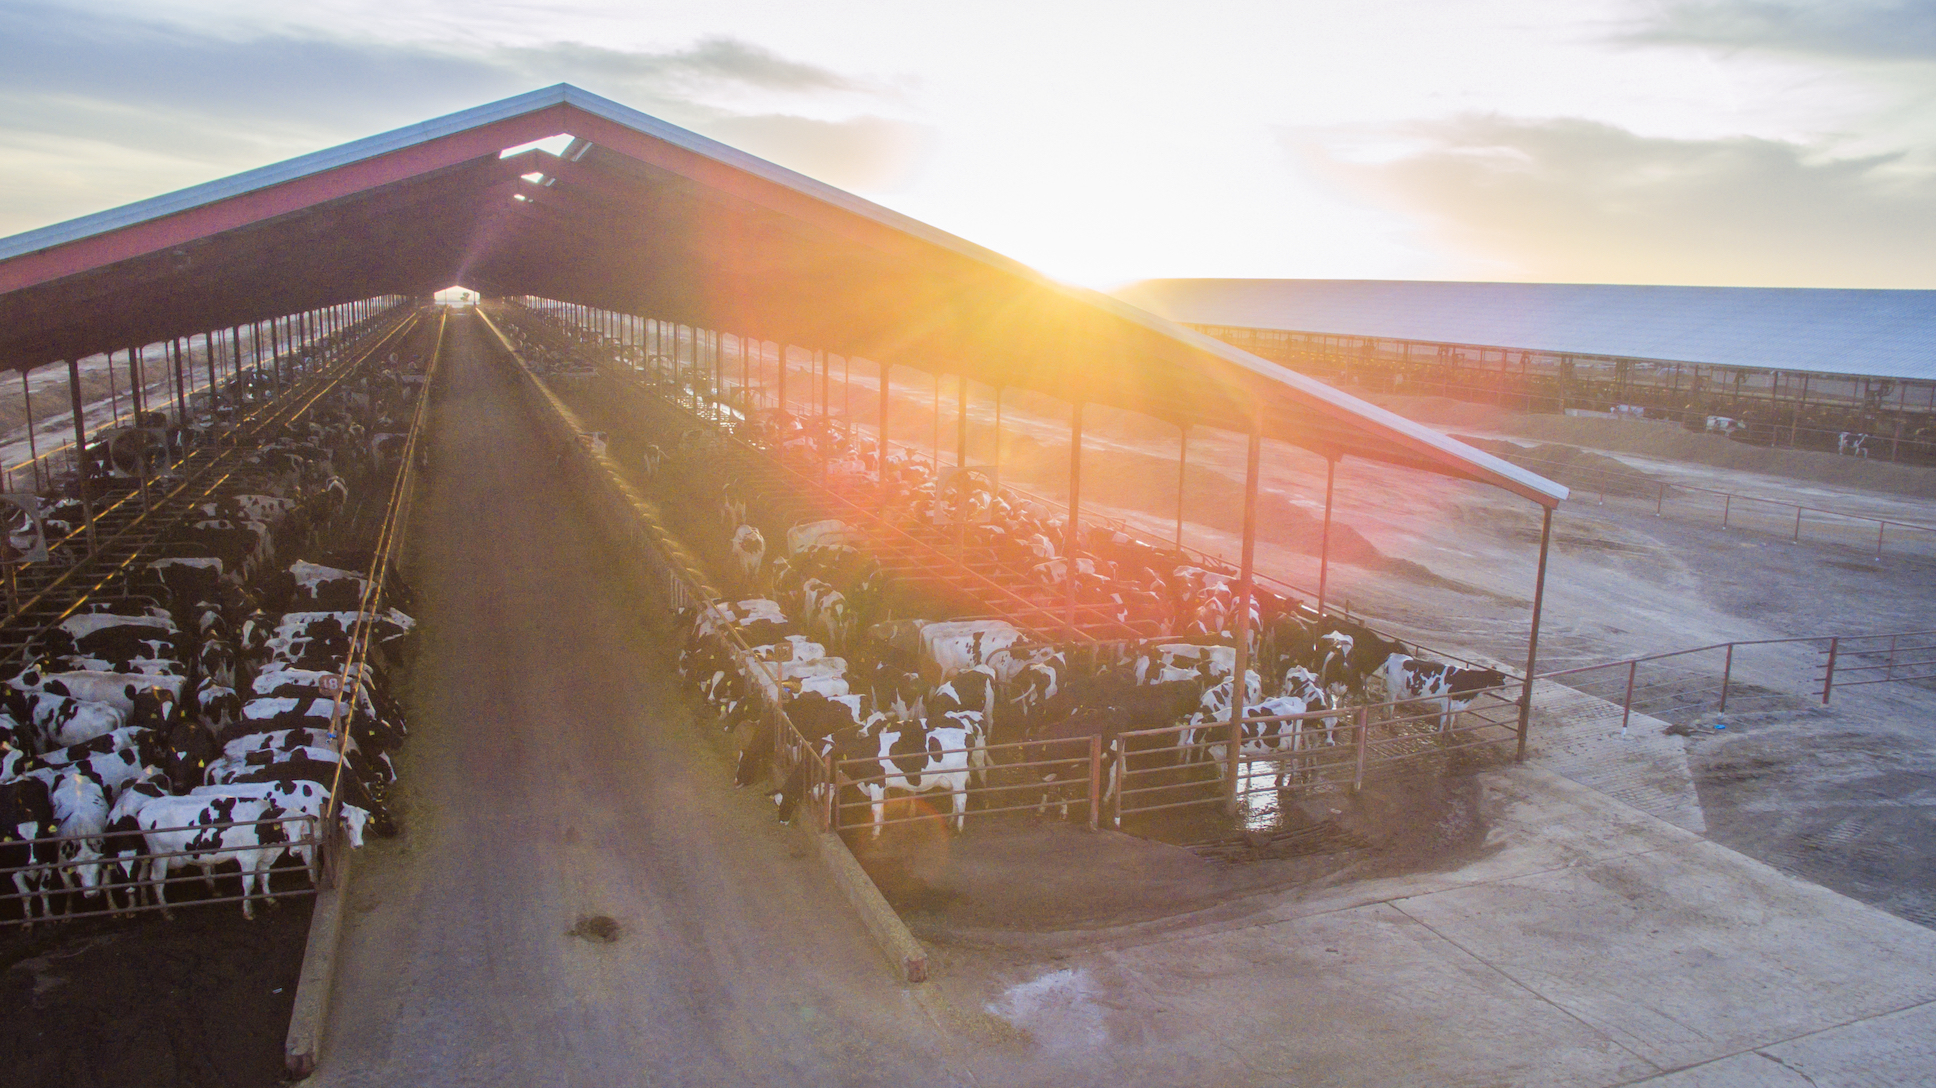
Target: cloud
x,y
1579,200
100,108
865,154
1853,29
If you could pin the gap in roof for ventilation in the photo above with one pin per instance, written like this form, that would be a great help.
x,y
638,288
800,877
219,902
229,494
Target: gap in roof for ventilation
x,y
552,145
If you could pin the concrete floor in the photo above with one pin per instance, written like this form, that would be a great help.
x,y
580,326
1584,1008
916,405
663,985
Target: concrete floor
x,y
1589,944
555,774
552,774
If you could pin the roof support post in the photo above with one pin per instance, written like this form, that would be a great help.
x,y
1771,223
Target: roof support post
x,y
181,396
80,449
780,401
1072,529
1182,466
235,354
1532,636
33,452
997,451
137,384
1324,535
880,453
961,422
114,394
1239,687
208,341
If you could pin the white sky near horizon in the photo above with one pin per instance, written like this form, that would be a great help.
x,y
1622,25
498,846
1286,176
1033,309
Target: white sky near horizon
x,y
1751,142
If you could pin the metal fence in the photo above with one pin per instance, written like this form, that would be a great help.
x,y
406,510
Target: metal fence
x,y
1753,676
354,674
128,875
1736,510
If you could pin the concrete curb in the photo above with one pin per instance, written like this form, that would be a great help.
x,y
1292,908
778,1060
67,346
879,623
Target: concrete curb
x,y
885,926
311,1014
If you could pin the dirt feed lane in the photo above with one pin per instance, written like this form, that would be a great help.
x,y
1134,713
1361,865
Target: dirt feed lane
x,y
554,779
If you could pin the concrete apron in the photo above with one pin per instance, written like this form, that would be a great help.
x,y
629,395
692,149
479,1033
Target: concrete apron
x,y
1589,944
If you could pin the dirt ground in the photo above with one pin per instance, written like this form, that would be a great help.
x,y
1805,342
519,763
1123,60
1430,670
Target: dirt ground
x,y
199,1002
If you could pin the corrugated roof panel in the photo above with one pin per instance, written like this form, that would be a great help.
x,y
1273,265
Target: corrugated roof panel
x,y
1869,333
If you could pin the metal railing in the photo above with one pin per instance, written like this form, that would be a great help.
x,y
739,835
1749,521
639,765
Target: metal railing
x,y
354,673
1682,686
142,888
1738,510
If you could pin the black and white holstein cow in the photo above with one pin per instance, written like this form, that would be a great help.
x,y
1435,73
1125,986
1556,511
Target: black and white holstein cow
x,y
1452,688
888,757
27,829
205,831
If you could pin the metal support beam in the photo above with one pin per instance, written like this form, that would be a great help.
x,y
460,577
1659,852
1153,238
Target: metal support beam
x,y
114,393
136,394
1072,531
997,458
208,341
1532,637
1238,687
1182,466
1324,537
880,455
961,422
33,451
80,449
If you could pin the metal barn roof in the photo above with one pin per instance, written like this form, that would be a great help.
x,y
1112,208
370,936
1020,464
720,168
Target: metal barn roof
x,y
1886,334
644,217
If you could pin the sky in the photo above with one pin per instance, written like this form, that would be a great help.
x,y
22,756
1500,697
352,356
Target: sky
x,y
1726,142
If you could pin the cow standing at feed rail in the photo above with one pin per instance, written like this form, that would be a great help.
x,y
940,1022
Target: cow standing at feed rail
x,y
80,817
204,832
1047,746
1409,680
1259,739
1302,684
26,848
887,758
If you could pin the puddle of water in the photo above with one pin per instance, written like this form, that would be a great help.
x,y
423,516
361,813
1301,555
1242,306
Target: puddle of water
x,y
1058,1010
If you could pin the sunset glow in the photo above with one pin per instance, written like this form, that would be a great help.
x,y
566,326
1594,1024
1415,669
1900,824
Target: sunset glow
x,y
1670,142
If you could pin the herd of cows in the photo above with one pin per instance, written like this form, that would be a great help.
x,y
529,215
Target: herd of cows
x,y
185,717
908,705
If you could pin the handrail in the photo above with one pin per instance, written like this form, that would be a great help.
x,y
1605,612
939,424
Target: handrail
x,y
354,661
